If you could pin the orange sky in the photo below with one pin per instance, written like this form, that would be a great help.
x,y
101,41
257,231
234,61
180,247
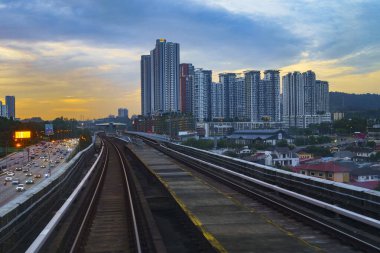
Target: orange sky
x,y
80,59
79,94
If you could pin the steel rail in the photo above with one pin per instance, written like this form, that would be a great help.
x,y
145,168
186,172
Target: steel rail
x,y
90,207
281,174
356,216
43,237
349,214
294,211
278,173
131,205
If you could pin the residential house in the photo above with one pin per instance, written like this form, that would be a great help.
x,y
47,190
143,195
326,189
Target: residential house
x,y
261,157
326,170
305,156
283,156
367,177
344,154
362,154
268,136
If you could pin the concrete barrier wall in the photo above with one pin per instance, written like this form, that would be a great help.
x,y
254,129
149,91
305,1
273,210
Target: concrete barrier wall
x,y
15,211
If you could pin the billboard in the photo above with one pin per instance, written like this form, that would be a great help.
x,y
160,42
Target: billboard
x,y
22,134
49,129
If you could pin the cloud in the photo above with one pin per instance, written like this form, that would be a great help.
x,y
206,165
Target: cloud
x,y
10,54
55,51
58,79
327,29
76,101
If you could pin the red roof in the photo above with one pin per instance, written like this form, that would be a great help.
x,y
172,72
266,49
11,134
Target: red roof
x,y
328,167
369,185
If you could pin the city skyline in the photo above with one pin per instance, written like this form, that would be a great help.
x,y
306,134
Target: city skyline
x,y
65,59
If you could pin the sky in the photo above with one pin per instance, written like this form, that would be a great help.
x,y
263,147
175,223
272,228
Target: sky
x,y
81,58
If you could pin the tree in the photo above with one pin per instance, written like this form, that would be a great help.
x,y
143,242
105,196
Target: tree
x,y
349,126
375,157
371,144
318,151
282,143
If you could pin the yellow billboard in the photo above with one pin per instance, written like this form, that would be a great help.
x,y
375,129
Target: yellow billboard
x,y
22,134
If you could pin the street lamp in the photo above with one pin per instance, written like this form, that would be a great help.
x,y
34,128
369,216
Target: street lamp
x,y
6,154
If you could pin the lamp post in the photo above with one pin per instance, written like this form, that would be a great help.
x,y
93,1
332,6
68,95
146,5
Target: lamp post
x,y
6,154
18,146
49,171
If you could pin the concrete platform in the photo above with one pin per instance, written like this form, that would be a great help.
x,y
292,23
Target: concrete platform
x,y
229,226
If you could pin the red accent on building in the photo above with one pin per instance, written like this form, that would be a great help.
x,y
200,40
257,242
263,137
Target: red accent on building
x,y
324,166
360,136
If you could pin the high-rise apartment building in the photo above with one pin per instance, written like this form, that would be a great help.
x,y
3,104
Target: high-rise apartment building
x,y
322,97
270,103
310,92
146,85
122,113
216,100
253,92
202,95
240,99
227,81
305,100
4,111
165,76
262,95
186,79
10,102
293,97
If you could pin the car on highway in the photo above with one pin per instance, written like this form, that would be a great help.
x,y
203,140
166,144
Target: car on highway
x,y
20,188
10,174
15,181
18,169
29,174
25,170
37,176
8,179
29,181
42,166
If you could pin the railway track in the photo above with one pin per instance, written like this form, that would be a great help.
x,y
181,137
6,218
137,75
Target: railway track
x,y
110,222
126,210
329,229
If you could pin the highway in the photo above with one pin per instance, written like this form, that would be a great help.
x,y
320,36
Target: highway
x,y
18,163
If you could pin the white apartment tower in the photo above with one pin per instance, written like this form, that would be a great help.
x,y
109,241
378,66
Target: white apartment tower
x,y
227,81
253,92
202,95
240,99
305,100
269,103
216,100
164,78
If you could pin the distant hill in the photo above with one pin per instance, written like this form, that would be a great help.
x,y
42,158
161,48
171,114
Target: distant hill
x,y
344,102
